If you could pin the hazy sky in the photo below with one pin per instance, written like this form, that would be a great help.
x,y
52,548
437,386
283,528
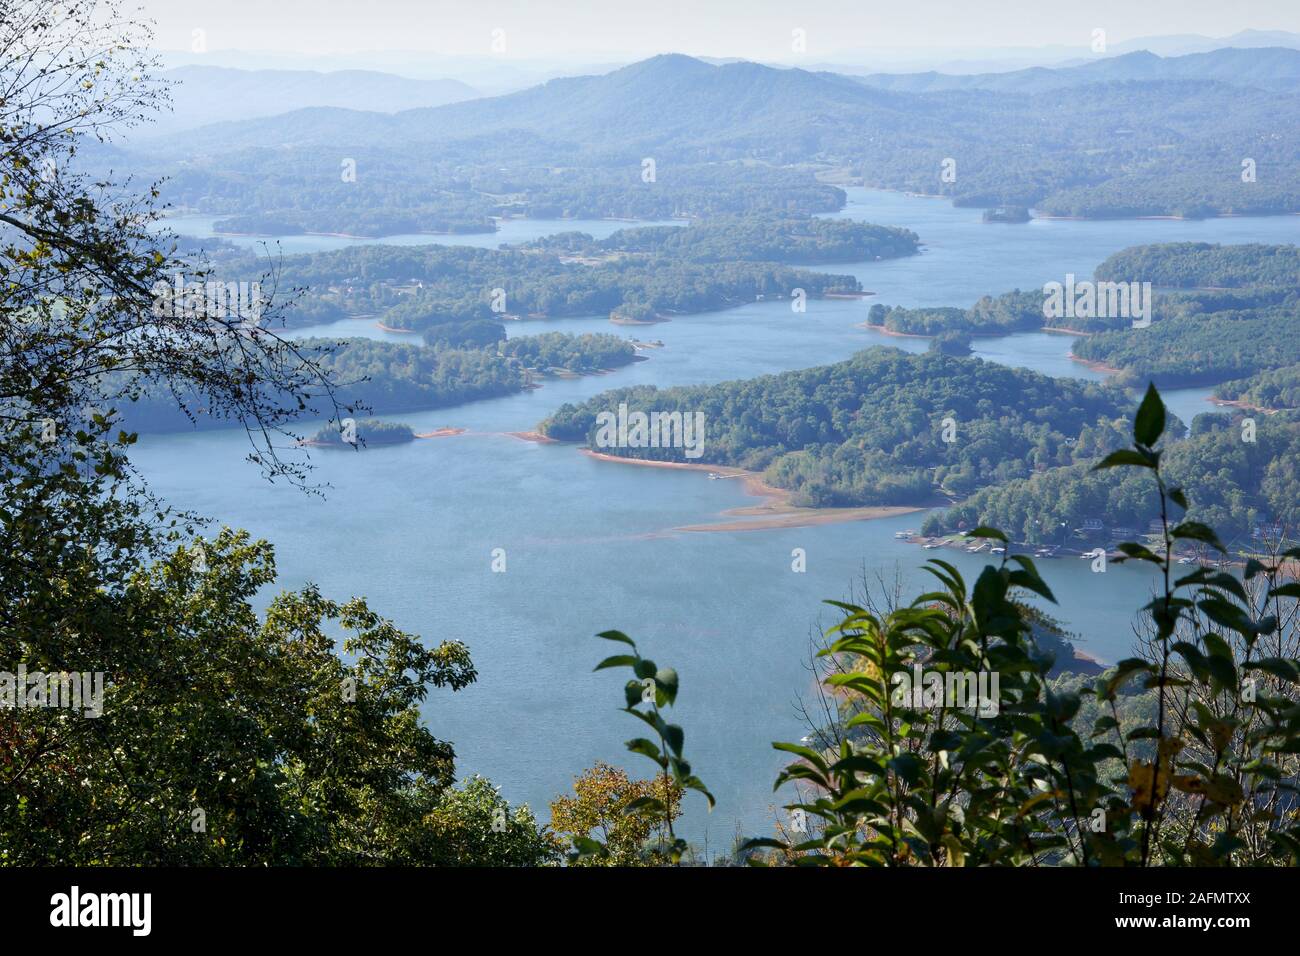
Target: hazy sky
x,y
757,29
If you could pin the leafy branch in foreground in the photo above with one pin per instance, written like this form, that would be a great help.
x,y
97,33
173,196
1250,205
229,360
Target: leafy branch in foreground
x,y
958,750
653,688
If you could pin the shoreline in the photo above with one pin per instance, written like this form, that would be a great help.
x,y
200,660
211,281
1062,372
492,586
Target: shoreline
x,y
775,512
1238,403
921,335
1095,365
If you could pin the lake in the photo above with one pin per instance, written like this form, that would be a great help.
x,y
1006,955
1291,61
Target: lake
x,y
591,545
509,232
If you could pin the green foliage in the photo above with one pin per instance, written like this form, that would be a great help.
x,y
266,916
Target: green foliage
x,y
370,431
1273,389
588,352
289,753
801,239
473,826
1199,347
612,820
1204,265
653,688
870,430
214,734
1239,486
1206,777
1011,312
951,343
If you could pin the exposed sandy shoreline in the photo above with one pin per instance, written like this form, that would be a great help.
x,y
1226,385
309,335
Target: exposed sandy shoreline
x,y
1094,365
775,512
898,335
921,335
1244,406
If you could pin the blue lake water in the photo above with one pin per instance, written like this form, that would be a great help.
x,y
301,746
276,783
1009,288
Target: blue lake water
x,y
509,232
590,545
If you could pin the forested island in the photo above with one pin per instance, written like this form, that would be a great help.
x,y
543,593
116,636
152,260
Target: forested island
x,y
1205,265
882,428
800,240
1231,315
1273,390
1227,315
1249,491
412,191
368,432
459,296
387,377
871,430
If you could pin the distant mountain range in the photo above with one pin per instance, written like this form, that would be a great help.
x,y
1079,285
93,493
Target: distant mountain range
x,y
1006,59
202,95
1269,68
629,105
494,75
1133,135
673,100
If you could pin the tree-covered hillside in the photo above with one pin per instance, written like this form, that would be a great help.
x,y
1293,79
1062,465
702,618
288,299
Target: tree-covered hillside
x,y
884,427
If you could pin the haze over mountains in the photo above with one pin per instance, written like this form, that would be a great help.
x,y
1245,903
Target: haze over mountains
x,y
670,100
226,86
494,74
209,94
1269,68
1126,136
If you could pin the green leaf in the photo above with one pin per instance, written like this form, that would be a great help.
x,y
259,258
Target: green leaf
x,y
653,804
675,737
618,660
1195,531
645,747
666,682
617,636
907,766
1124,456
1123,671
1149,424
1282,667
